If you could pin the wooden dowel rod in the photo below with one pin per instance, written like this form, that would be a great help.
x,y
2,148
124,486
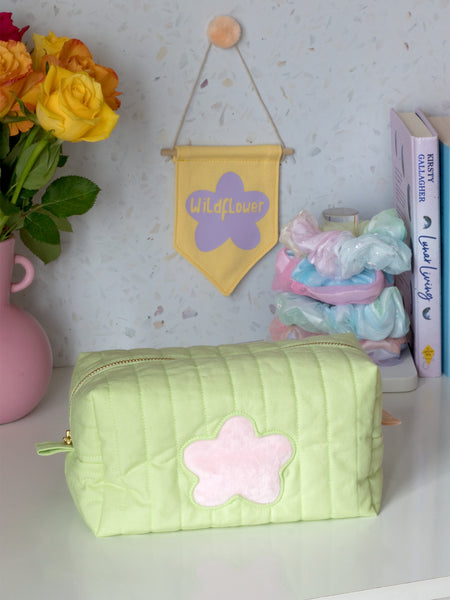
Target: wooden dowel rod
x,y
168,152
171,152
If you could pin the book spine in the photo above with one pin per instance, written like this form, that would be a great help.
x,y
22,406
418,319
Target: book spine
x,y
444,153
426,270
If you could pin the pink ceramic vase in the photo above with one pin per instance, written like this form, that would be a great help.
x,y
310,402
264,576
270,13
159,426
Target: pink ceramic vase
x,y
25,352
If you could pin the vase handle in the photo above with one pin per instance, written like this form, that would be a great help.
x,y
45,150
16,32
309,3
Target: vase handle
x,y
29,273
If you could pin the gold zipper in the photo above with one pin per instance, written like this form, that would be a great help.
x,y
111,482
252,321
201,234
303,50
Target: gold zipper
x,y
117,363
335,344
158,358
67,439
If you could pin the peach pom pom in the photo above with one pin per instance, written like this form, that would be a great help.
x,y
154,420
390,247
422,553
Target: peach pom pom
x,y
224,31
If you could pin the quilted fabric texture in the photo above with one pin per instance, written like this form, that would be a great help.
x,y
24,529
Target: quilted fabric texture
x,y
134,413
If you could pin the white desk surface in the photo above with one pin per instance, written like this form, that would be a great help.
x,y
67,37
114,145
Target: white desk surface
x,y
46,550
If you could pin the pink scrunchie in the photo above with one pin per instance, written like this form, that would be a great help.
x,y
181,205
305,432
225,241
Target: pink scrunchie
x,y
303,236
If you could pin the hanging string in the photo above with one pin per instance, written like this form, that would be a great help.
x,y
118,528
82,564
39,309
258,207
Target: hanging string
x,y
171,151
260,99
191,96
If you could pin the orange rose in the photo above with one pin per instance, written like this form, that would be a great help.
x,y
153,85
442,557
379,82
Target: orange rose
x,y
76,57
28,94
15,65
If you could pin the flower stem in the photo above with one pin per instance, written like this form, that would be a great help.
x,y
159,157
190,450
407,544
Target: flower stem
x,y
34,208
23,176
30,164
30,137
3,219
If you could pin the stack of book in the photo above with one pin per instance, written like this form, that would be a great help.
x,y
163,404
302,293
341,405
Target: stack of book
x,y
421,177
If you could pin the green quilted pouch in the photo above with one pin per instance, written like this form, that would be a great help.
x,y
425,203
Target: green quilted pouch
x,y
243,434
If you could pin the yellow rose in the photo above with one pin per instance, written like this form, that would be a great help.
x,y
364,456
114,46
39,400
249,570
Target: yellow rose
x,y
71,105
46,45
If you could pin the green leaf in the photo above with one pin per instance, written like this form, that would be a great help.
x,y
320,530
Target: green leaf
x,y
15,117
46,252
11,158
14,222
44,167
54,152
4,140
70,195
12,214
61,223
41,228
62,160
6,207
25,200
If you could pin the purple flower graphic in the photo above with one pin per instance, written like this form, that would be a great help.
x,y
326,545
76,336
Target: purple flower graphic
x,y
228,213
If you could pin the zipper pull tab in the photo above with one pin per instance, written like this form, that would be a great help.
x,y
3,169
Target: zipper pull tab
x,y
49,448
388,419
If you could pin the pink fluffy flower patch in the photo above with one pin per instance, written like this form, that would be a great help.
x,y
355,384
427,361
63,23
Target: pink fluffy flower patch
x,y
238,462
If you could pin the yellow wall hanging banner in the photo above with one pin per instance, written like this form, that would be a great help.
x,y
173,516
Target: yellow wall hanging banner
x,y
226,208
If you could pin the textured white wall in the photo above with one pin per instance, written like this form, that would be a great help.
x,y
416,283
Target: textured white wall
x,y
329,71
